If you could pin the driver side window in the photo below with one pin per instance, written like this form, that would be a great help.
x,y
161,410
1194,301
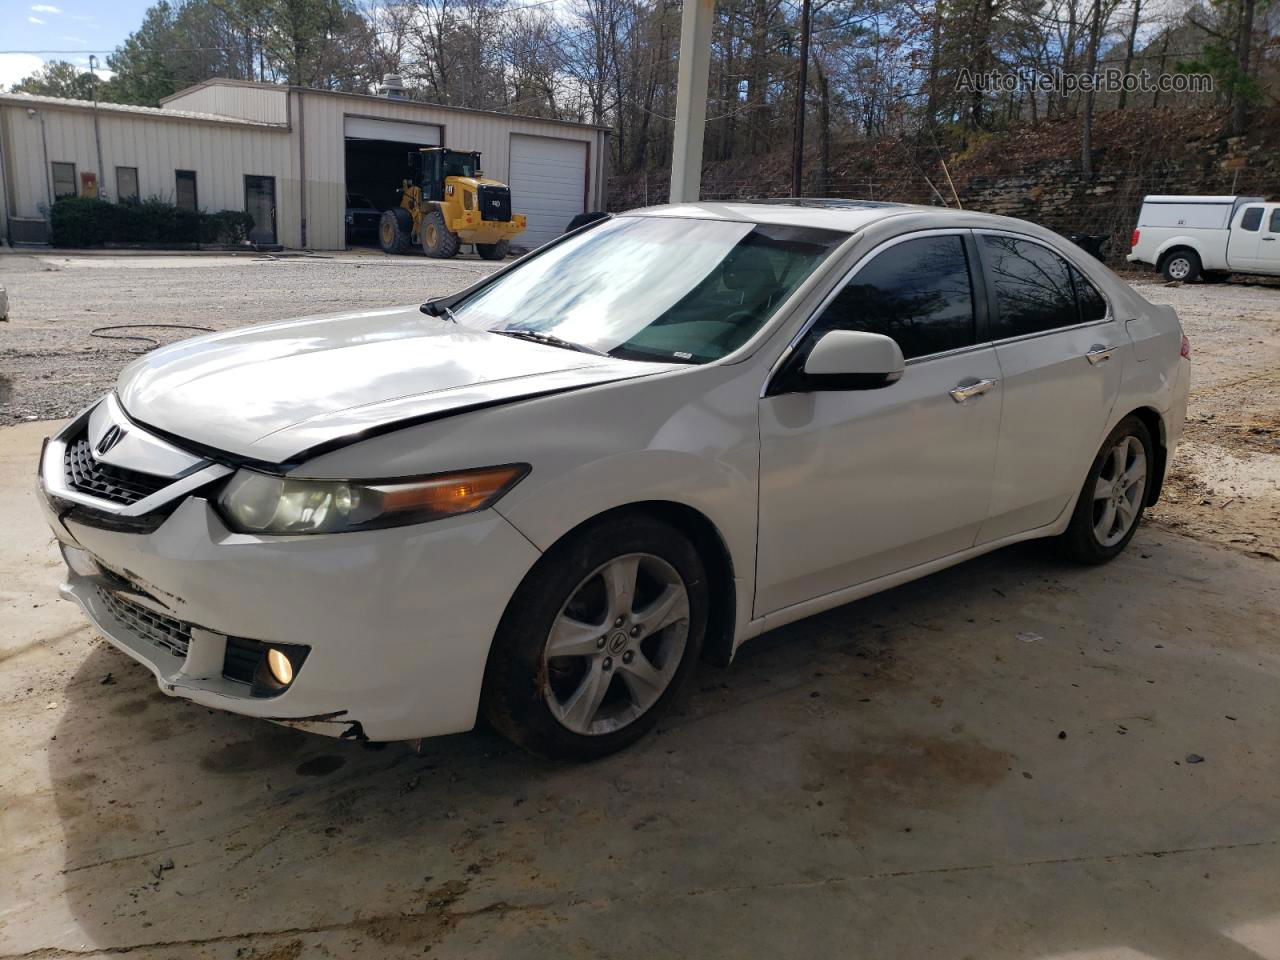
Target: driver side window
x,y
918,292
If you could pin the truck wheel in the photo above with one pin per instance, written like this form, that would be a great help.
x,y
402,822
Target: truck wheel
x,y
395,230
437,240
494,251
1182,265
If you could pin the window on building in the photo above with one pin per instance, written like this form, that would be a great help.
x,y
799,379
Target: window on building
x,y
1252,219
64,180
127,184
916,292
1033,288
185,197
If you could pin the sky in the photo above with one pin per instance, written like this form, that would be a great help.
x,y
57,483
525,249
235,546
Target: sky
x,y
75,28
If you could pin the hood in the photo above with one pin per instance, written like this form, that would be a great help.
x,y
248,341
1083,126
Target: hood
x,y
275,392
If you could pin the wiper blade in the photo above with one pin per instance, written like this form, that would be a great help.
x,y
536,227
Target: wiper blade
x,y
551,340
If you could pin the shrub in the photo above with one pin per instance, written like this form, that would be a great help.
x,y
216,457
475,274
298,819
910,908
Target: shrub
x,y
85,222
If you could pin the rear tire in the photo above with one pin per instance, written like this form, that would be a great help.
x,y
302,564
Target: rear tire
x,y
1181,265
625,651
395,230
437,240
494,251
1114,495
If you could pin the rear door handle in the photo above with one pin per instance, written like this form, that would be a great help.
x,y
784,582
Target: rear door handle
x,y
964,391
1098,353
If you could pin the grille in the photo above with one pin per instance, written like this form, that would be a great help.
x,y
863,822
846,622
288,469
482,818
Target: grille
x,y
241,660
165,632
495,203
116,484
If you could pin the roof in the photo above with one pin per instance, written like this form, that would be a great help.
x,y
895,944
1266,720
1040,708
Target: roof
x,y
35,101
405,101
1174,198
848,215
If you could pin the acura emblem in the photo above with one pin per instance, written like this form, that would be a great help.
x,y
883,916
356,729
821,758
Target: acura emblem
x,y
109,439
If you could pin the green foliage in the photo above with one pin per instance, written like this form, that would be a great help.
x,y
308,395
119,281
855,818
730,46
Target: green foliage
x,y
57,79
84,222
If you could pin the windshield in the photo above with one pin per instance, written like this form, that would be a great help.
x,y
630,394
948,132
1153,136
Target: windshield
x,y
653,288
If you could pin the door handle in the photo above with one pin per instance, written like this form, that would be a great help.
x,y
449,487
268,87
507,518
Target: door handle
x,y
1098,353
1269,239
964,391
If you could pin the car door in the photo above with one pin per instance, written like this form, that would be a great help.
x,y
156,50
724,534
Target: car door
x,y
1061,352
1269,242
858,484
1245,240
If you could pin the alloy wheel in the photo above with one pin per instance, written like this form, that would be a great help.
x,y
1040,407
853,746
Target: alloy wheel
x,y
1117,496
616,644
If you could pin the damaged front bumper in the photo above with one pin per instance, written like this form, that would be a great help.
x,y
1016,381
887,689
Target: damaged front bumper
x,y
395,623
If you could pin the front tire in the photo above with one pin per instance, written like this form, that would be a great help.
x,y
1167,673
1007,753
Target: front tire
x,y
437,239
597,641
1113,497
1181,265
395,230
494,251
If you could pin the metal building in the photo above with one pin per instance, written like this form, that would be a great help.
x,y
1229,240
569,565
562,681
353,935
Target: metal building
x,y
288,155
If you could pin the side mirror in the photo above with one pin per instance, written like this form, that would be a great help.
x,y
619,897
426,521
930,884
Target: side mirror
x,y
853,360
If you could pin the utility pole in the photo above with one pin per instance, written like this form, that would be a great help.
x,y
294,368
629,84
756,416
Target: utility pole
x,y
691,99
802,82
97,132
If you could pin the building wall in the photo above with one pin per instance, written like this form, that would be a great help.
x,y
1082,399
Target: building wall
x,y
318,119
247,101
220,154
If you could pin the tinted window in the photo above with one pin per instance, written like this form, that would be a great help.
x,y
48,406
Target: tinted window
x,y
1092,305
916,292
64,180
1252,219
185,197
1033,288
1274,226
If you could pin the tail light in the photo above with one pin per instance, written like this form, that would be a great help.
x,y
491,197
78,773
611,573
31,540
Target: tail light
x,y
1137,234
1186,348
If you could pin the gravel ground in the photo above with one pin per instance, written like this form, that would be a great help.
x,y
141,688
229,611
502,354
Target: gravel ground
x,y
1225,486
50,365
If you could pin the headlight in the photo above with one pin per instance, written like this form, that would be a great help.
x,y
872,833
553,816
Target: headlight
x,y
255,502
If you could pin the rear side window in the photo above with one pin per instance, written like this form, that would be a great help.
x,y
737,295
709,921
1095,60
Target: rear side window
x,y
1092,305
917,292
1252,219
1034,291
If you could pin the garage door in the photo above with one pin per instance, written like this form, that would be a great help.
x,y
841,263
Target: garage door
x,y
548,185
399,131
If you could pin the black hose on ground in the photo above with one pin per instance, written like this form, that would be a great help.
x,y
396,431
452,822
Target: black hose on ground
x,y
152,342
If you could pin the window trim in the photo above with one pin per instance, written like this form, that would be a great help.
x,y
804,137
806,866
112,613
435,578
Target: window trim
x,y
980,232
53,179
980,299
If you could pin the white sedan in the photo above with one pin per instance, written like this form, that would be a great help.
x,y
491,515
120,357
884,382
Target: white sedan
x,y
543,499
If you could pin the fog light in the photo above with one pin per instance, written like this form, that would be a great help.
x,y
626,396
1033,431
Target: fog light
x,y
280,667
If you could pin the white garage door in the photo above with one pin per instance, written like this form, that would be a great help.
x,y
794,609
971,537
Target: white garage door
x,y
397,131
548,185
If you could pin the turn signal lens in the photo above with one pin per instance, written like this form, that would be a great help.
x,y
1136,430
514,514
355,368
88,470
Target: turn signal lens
x,y
1137,234
1186,348
280,667
255,502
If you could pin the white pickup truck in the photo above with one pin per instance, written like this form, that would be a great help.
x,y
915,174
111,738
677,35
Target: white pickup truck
x,y
1188,237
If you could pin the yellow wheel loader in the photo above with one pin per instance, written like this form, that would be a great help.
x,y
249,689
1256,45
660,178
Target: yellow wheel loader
x,y
447,202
